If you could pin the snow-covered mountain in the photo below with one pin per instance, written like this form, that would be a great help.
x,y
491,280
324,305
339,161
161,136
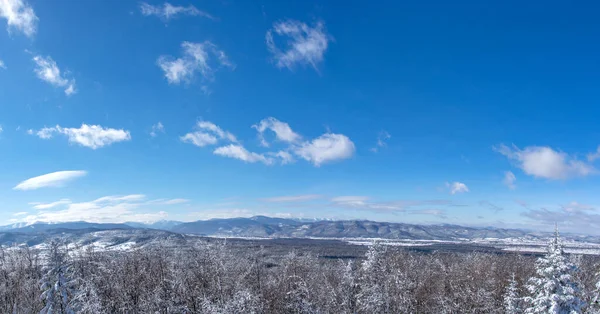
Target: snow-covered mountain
x,y
268,227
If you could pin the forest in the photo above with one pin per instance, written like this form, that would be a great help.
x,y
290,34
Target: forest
x,y
213,278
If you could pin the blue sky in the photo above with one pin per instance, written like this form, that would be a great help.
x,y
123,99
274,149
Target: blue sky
x,y
466,113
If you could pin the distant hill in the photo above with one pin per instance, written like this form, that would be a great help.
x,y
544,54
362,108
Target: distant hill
x,y
268,227
159,225
76,225
277,227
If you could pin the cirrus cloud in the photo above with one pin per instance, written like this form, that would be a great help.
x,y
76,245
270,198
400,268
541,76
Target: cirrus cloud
x,y
204,58
168,11
304,44
54,179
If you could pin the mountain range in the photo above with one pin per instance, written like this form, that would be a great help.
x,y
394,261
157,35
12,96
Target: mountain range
x,y
268,227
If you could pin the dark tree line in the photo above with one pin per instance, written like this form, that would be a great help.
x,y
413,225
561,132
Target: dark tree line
x,y
213,278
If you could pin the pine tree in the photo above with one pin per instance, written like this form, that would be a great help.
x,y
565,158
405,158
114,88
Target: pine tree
x,y
553,289
511,297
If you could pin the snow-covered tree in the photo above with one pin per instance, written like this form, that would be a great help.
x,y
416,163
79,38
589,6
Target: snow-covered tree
x,y
595,305
371,297
553,289
511,297
57,286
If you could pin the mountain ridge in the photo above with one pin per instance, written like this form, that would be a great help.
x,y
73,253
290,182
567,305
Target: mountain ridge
x,y
273,227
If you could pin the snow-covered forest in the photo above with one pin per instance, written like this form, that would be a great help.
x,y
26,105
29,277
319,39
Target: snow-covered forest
x,y
213,278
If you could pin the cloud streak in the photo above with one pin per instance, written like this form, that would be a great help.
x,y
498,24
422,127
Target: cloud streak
x,y
54,179
168,11
292,198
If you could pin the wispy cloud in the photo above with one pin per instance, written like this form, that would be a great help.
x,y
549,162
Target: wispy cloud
x,y
282,131
92,136
168,11
204,58
326,148
47,70
457,187
509,180
54,179
61,202
595,155
382,138
20,214
19,16
396,206
239,152
431,212
544,162
2,66
157,128
114,208
176,201
491,206
207,133
291,198
303,44
573,217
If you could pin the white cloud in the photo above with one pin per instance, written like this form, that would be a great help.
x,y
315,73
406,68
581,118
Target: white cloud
x,y
169,11
20,214
115,209
204,58
19,16
292,198
381,141
47,70
304,45
207,133
239,152
176,201
544,162
327,147
363,203
509,180
159,127
595,155
457,187
2,66
282,131
286,158
92,136
39,206
1,129
54,179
